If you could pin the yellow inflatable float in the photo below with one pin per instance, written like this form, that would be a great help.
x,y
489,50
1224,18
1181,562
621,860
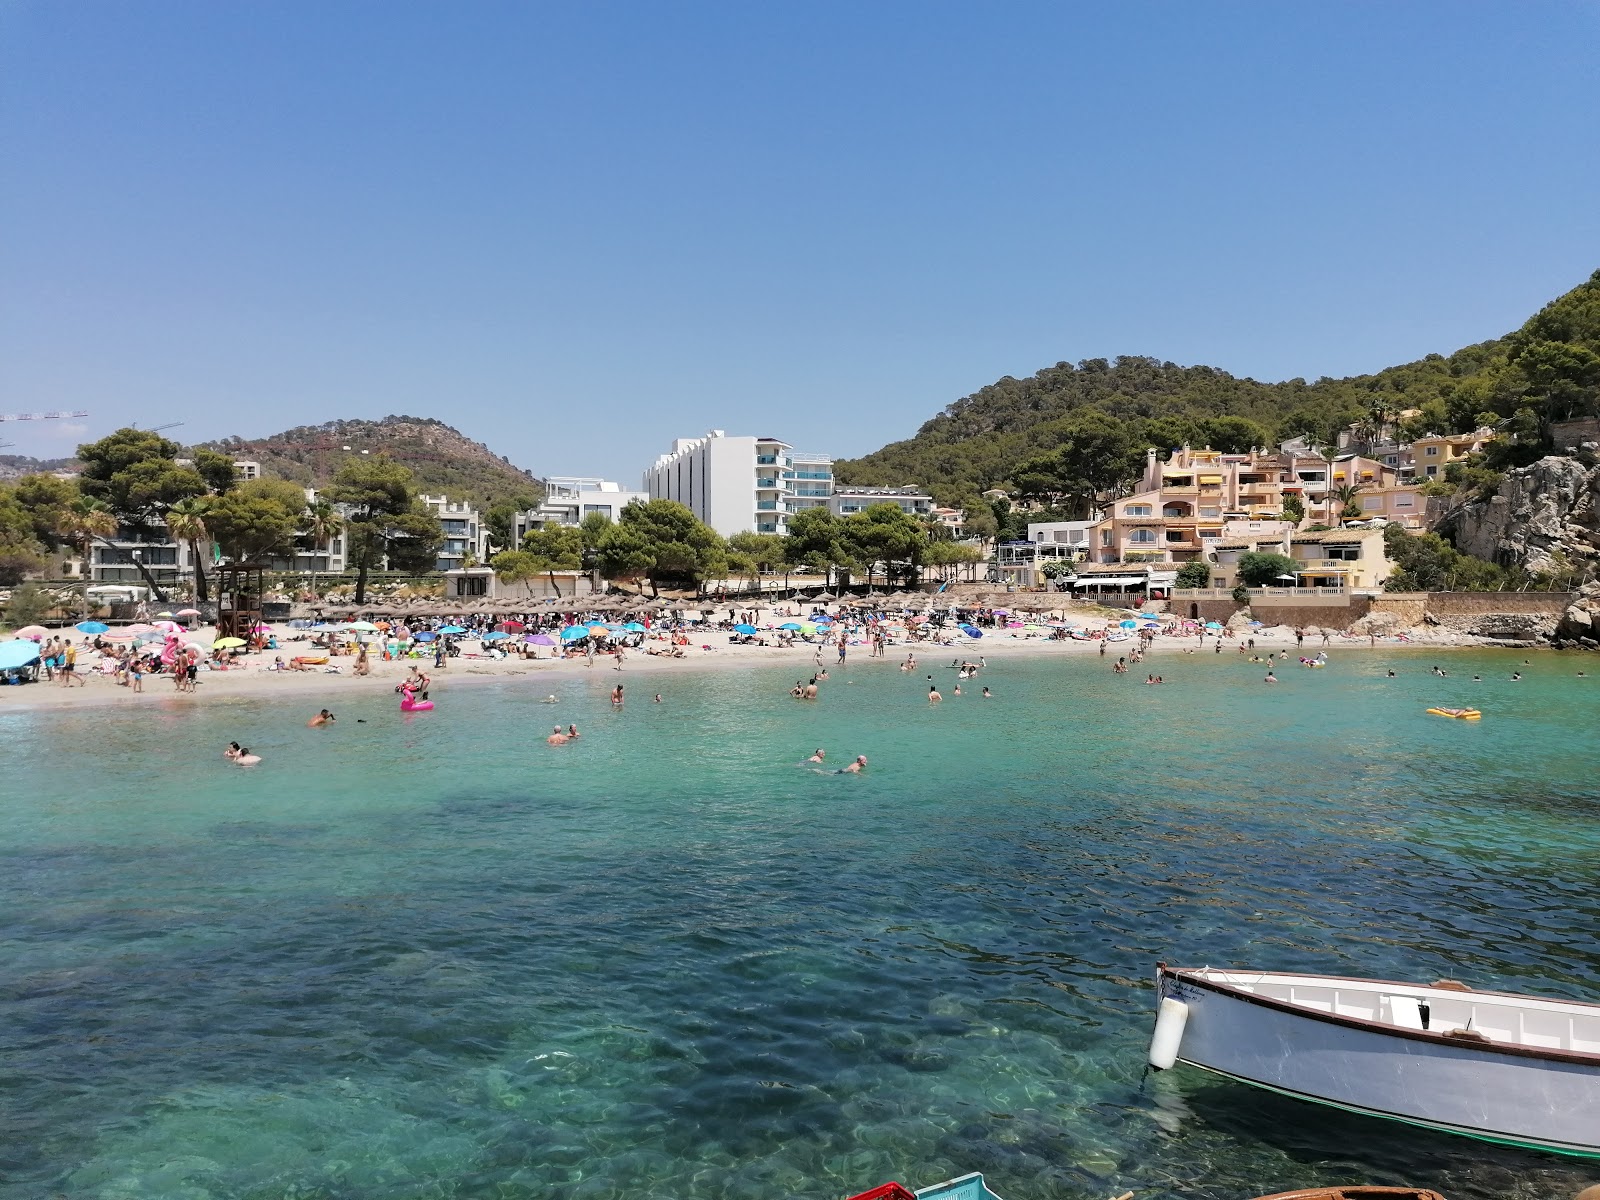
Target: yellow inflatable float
x,y
1460,714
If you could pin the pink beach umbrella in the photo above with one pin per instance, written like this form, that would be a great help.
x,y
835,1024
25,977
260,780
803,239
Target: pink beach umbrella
x,y
141,627
187,612
34,633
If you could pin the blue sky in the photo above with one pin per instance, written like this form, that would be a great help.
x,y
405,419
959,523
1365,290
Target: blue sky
x,y
577,231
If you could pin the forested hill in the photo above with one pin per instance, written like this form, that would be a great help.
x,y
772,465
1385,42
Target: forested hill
x,y
982,440
442,459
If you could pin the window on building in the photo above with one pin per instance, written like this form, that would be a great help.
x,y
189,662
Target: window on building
x,y
1404,500
1218,581
472,585
1432,470
1431,451
1142,536
1342,553
1136,510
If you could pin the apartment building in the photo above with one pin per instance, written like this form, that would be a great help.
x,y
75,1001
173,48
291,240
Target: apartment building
x,y
914,502
735,484
568,499
465,536
1432,454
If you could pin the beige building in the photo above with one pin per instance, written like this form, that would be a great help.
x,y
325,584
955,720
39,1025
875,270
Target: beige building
x,y
1432,454
1341,558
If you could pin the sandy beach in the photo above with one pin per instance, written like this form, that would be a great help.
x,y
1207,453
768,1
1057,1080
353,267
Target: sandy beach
x,y
324,687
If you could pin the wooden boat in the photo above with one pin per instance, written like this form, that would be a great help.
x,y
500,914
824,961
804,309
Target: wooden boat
x,y
1518,1070
963,1187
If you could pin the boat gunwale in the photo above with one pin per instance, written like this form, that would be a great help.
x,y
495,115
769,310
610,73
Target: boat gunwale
x,y
1192,975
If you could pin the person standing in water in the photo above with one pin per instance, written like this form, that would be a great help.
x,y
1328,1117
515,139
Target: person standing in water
x,y
616,696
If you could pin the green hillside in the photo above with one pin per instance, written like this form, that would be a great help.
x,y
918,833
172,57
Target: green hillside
x,y
441,458
1546,371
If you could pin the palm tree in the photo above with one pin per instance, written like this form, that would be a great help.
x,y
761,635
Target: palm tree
x,y
81,522
1346,495
186,521
323,525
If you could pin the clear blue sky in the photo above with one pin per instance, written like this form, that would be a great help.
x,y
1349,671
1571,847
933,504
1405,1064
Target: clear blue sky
x,y
576,231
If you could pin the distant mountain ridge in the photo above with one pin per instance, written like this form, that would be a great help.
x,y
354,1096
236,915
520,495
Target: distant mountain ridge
x,y
981,440
14,466
442,458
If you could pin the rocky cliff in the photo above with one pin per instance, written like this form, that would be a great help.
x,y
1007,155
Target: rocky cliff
x,y
1545,517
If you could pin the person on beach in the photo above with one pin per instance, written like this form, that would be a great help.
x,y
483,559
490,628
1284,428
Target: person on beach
x,y
69,667
853,768
557,737
363,667
322,718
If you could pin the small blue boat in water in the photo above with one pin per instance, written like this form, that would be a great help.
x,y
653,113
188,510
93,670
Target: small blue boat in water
x,y
963,1187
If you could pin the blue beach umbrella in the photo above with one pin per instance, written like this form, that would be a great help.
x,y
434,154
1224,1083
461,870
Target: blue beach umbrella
x,y
823,620
791,625
634,627
1128,624
92,627
972,631
744,628
493,637
18,653
573,633
425,637
451,629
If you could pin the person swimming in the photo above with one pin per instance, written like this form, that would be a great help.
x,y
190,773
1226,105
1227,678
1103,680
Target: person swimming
x,y
818,756
322,718
549,700
232,751
245,759
933,694
853,768
572,733
986,694
557,737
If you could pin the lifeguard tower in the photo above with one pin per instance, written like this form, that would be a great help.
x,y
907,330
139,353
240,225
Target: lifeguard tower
x,y
239,590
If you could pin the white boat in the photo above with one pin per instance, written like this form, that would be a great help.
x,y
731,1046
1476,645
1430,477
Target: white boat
x,y
1518,1070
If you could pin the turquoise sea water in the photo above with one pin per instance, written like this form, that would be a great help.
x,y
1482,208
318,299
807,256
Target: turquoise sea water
x,y
433,957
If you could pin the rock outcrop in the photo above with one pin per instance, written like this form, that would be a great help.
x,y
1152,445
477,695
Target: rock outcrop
x,y
1545,518
1581,622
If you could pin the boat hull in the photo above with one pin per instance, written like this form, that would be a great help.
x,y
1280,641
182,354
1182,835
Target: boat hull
x,y
1456,1088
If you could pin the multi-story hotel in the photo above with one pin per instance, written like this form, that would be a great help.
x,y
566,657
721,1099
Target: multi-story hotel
x,y
739,484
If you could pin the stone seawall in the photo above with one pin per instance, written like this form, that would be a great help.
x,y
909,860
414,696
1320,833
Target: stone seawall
x,y
1511,616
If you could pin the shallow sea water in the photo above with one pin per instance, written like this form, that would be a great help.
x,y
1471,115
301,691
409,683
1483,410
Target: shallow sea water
x,y
430,956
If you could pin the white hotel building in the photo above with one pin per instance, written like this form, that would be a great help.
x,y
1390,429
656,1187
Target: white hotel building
x,y
739,484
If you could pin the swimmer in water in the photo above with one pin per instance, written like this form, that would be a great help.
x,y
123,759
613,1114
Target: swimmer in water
x,y
245,759
557,738
322,718
986,694
818,756
616,695
855,767
572,732
232,751
957,692
548,700
1271,678
658,697
933,695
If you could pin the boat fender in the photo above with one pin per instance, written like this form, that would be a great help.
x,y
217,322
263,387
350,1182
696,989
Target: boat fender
x,y
1171,1017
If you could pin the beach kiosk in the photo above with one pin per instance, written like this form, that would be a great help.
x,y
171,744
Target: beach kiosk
x,y
239,590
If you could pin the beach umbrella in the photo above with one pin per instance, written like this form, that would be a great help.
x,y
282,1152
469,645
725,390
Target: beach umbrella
x,y
187,612
746,629
790,625
573,633
494,637
92,627
823,620
512,626
634,627
1212,625
442,628
425,637
18,652
1128,624
228,643
807,627
137,627
363,626
972,631
36,632
598,630
539,639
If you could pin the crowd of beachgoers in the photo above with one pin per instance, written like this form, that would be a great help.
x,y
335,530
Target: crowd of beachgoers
x,y
170,655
